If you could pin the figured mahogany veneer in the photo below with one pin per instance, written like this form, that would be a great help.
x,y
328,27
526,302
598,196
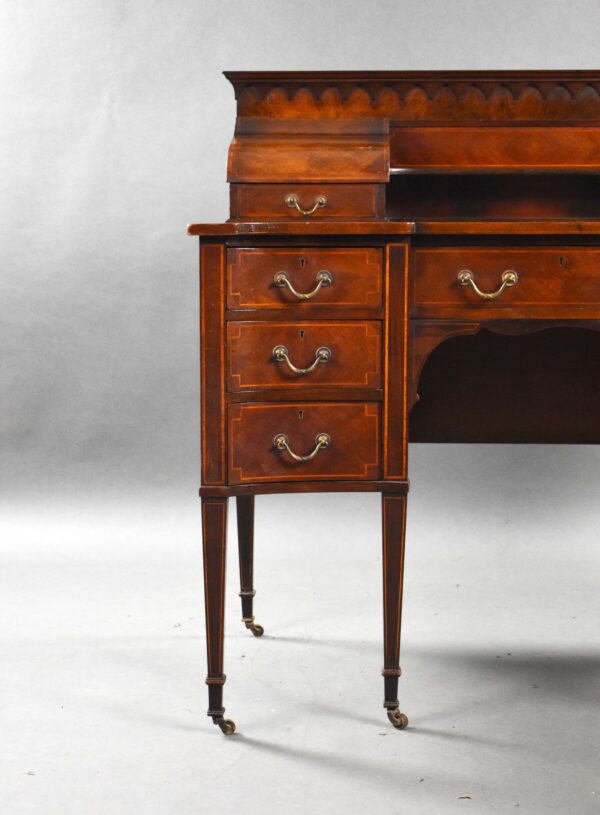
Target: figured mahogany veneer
x,y
497,148
428,180
353,453
356,278
283,150
354,362
256,201
561,282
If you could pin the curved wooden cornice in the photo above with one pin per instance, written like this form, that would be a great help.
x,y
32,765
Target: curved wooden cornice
x,y
534,96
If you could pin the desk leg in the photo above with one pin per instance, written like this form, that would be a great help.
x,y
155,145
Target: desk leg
x,y
393,509
214,539
245,525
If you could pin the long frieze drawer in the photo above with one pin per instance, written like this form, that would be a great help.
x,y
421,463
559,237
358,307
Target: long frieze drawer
x,y
316,354
277,278
318,201
506,282
303,441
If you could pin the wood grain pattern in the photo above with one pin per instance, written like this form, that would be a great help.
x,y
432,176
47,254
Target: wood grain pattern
x,y
214,540
425,174
255,201
353,453
355,354
469,148
212,362
395,416
357,277
560,282
518,96
509,226
299,486
336,150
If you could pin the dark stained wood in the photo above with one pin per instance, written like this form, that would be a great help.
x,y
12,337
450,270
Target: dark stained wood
x,y
266,150
303,312
353,454
542,387
395,437
393,508
457,96
425,336
560,282
356,278
550,227
493,195
506,148
255,201
350,229
354,348
425,174
278,487
317,394
212,356
214,538
245,526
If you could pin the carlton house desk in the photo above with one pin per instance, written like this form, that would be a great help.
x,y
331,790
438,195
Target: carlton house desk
x,y
409,256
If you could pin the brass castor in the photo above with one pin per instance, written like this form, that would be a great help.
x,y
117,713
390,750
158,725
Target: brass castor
x,y
399,720
227,725
256,629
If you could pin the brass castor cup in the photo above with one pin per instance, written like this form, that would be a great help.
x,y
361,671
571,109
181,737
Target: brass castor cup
x,y
256,629
227,725
399,720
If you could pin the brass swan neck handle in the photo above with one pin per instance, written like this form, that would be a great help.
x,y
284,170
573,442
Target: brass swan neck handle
x,y
467,278
281,442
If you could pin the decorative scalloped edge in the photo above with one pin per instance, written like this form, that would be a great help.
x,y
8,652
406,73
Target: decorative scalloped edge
x,y
519,100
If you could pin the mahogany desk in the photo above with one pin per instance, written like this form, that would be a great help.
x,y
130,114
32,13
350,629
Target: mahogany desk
x,y
394,238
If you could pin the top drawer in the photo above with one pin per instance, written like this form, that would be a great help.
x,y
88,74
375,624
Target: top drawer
x,y
530,282
278,278
298,201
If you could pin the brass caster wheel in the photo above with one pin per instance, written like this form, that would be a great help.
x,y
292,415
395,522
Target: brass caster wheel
x,y
256,629
399,720
227,725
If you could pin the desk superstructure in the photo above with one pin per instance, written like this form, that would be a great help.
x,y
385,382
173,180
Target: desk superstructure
x,y
379,219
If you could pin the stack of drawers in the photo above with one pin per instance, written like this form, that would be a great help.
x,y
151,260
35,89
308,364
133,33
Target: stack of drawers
x,y
303,368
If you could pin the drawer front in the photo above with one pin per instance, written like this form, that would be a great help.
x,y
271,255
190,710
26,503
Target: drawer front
x,y
341,439
318,201
325,354
527,282
354,278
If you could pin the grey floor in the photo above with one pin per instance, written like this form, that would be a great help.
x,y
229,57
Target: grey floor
x,y
103,701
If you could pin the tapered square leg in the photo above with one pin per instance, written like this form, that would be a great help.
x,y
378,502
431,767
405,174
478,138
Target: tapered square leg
x,y
245,525
393,509
214,539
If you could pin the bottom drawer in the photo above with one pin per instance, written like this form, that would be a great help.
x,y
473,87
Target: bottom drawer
x,y
303,441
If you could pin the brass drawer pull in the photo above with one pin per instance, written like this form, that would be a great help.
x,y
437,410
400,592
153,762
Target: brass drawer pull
x,y
280,354
294,203
281,442
467,278
323,278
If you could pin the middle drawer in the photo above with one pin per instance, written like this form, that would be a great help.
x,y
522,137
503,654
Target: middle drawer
x,y
308,354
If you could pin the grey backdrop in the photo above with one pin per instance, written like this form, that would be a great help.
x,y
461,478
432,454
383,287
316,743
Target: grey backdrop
x,y
115,126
